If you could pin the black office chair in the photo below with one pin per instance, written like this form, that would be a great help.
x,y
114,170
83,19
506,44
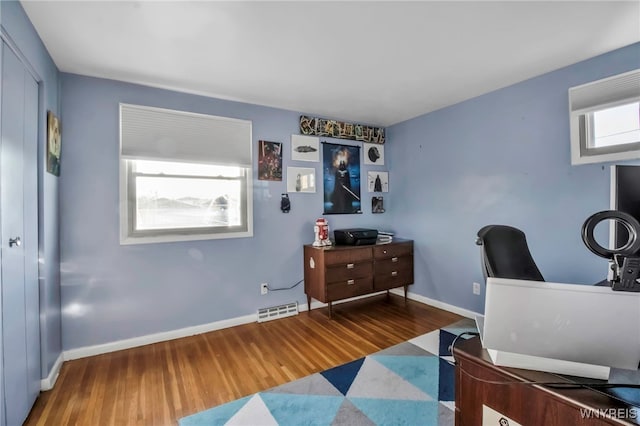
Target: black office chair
x,y
505,254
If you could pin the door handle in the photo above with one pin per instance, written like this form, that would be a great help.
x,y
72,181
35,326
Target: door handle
x,y
15,242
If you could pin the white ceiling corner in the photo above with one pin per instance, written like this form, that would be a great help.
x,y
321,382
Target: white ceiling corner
x,y
370,62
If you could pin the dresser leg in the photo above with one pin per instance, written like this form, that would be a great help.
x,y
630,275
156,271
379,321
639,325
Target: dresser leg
x,y
405,293
330,310
388,296
308,304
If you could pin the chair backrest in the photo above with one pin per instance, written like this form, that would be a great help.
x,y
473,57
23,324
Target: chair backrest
x,y
505,254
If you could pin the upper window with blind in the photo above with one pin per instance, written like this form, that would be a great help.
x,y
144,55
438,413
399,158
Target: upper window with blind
x,y
183,176
605,119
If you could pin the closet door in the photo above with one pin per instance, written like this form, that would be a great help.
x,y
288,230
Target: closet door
x,y
19,239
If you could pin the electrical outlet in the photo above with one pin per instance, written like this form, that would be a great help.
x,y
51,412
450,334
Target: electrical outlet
x,y
476,288
264,288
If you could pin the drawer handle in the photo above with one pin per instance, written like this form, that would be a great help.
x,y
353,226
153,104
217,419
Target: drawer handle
x,y
394,273
350,265
350,282
384,251
394,259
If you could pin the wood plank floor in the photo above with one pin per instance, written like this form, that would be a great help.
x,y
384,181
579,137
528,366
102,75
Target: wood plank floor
x,y
160,383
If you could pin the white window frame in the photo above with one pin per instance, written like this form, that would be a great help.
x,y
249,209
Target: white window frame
x,y
128,235
595,96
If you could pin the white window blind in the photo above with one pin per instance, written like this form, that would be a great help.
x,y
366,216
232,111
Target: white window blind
x,y
603,124
148,133
608,91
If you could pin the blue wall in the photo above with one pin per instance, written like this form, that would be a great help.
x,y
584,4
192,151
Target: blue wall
x,y
17,28
112,292
503,158
499,158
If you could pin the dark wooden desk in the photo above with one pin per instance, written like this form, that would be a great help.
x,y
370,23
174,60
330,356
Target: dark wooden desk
x,y
479,382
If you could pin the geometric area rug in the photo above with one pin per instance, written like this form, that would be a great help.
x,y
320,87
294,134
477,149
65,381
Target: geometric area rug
x,y
411,383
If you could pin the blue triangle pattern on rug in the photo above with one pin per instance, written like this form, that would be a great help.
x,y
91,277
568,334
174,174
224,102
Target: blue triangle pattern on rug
x,y
398,412
342,376
302,409
446,339
446,374
420,371
217,415
408,384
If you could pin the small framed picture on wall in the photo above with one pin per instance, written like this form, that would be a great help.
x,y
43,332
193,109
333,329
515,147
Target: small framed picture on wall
x,y
301,179
305,148
269,160
373,154
53,144
377,205
378,181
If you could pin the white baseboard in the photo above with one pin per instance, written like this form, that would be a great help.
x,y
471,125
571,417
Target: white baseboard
x,y
48,382
176,334
155,338
87,351
437,304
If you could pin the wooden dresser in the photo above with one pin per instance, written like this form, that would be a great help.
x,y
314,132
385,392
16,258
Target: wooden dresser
x,y
340,272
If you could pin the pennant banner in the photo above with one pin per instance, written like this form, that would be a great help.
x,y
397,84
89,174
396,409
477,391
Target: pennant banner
x,y
340,130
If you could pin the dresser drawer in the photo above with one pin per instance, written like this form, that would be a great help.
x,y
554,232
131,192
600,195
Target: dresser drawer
x,y
386,266
343,272
392,250
393,272
349,288
344,256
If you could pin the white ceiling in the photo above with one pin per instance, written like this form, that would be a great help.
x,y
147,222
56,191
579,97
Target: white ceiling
x,y
375,63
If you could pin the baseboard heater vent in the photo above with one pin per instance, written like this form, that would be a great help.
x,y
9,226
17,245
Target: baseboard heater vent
x,y
275,312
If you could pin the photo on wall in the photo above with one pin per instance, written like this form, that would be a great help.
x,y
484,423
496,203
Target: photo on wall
x,y
305,148
53,144
269,160
301,179
373,154
341,178
377,205
378,181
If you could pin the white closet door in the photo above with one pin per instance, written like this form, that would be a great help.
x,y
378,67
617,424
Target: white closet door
x,y
18,239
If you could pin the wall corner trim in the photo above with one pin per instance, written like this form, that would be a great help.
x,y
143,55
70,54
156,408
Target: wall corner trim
x,y
48,382
438,304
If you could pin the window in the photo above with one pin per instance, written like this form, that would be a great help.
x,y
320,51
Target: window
x,y
183,176
619,125
605,119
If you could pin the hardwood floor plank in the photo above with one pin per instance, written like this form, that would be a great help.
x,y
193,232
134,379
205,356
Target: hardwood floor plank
x,y
160,383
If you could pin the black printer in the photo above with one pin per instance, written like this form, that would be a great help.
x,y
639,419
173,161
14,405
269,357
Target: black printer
x,y
355,236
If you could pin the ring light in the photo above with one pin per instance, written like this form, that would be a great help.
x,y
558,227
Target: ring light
x,y
632,245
